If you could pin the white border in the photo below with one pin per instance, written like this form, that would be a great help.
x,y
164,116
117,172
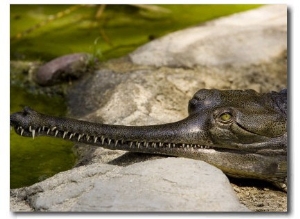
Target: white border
x,y
294,12
289,2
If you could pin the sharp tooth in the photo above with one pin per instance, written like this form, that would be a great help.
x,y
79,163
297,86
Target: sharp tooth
x,y
22,130
64,135
183,145
146,144
102,139
56,132
109,140
116,142
174,145
130,144
154,144
52,129
87,137
33,133
48,131
39,130
79,136
95,139
71,136
160,144
30,129
138,144
43,128
169,145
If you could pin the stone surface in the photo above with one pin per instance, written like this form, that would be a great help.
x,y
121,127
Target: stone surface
x,y
169,184
248,38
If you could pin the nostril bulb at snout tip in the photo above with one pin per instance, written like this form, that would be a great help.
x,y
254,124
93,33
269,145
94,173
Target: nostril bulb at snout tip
x,y
11,121
14,119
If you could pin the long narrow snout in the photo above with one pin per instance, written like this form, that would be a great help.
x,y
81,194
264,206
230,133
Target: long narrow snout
x,y
184,134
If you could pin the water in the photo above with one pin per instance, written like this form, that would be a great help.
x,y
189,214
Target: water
x,y
33,160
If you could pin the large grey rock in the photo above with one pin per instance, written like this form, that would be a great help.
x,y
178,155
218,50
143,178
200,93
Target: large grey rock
x,y
169,184
243,39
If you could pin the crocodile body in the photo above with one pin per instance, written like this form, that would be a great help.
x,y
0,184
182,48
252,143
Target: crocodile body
x,y
244,133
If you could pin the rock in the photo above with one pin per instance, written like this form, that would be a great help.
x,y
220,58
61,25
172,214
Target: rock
x,y
153,96
63,68
169,184
249,38
222,54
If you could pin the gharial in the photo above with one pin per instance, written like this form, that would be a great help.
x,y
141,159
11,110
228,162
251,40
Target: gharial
x,y
242,132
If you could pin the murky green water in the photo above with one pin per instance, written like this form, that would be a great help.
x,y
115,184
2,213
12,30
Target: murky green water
x,y
119,30
32,160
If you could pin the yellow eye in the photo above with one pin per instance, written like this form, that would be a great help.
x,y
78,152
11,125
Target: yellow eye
x,y
225,117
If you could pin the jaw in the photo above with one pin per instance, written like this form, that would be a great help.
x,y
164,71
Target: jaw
x,y
179,135
233,162
183,138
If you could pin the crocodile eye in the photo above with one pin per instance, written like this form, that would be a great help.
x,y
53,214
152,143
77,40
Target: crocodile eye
x,y
225,117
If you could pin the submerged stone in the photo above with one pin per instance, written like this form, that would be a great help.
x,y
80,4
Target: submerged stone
x,y
63,68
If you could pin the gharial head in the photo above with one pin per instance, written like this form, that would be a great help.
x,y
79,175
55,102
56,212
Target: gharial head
x,y
221,119
244,133
241,119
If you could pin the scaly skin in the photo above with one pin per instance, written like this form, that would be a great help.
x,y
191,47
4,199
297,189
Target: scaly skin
x,y
243,133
